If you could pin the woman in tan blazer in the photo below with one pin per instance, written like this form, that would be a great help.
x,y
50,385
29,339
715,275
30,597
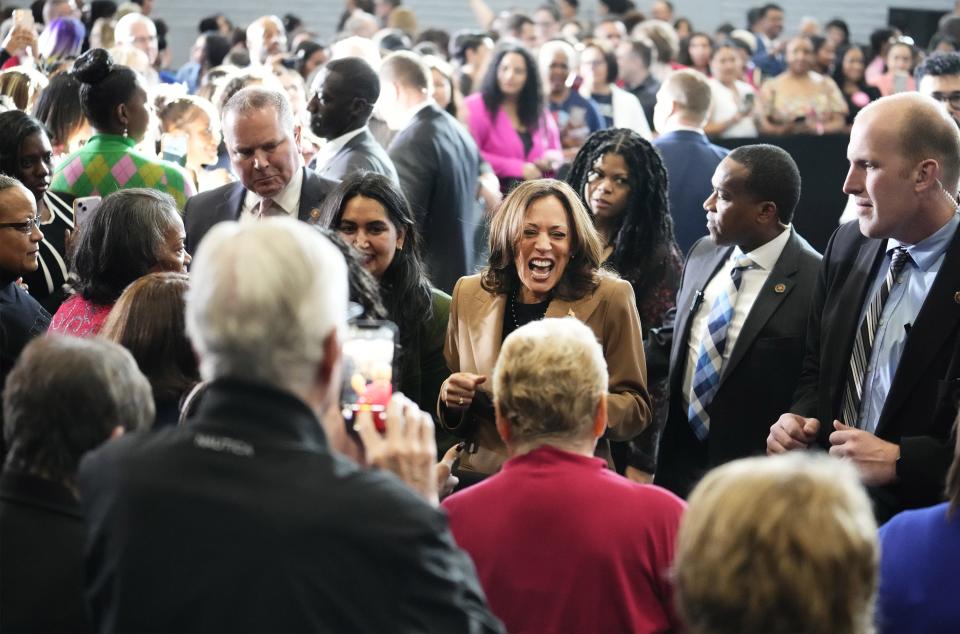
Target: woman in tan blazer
x,y
544,262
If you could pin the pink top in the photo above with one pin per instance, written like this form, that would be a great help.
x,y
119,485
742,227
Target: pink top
x,y
79,317
500,143
562,544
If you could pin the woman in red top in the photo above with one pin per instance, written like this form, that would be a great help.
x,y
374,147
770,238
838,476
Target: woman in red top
x,y
132,233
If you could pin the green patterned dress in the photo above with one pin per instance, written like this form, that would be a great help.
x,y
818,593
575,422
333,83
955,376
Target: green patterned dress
x,y
108,162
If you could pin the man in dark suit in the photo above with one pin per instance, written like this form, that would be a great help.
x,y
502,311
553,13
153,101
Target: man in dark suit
x,y
249,518
683,104
438,163
769,54
65,396
344,94
735,339
261,138
882,366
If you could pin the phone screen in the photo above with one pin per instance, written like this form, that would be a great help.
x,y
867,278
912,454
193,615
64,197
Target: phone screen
x,y
368,370
174,148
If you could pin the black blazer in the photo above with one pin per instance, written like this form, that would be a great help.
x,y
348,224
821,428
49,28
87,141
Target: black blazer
x,y
920,408
244,520
226,202
438,163
759,378
361,153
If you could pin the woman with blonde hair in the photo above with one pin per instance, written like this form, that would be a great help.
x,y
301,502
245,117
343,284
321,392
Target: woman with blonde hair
x,y
778,544
23,85
544,262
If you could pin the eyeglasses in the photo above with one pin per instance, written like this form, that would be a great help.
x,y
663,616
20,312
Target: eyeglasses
x,y
22,227
953,98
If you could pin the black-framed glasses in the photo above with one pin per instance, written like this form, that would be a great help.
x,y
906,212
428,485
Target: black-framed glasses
x,y
23,227
953,98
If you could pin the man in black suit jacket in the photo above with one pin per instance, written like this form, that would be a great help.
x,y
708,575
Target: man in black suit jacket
x,y
344,94
755,190
904,157
438,163
261,138
246,518
41,524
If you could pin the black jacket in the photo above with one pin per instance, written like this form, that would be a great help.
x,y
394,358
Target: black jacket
x,y
243,520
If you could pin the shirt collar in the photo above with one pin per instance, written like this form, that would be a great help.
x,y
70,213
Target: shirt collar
x,y
287,198
676,127
766,255
333,146
926,252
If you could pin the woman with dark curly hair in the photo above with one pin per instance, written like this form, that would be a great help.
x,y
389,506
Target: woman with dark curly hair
x,y
622,182
132,233
509,120
544,262
370,213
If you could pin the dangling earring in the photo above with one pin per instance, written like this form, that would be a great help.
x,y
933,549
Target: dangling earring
x,y
125,131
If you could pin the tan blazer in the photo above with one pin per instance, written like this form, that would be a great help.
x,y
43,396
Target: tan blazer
x,y
473,345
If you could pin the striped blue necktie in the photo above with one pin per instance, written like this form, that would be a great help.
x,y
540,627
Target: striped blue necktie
x,y
706,377
863,344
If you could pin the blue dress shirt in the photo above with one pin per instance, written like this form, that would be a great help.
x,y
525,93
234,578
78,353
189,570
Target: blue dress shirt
x,y
901,310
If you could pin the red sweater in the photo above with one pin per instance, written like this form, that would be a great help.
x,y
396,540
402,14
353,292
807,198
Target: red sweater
x,y
562,544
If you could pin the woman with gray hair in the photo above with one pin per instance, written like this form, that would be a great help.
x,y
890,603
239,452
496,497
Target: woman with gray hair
x,y
133,232
609,541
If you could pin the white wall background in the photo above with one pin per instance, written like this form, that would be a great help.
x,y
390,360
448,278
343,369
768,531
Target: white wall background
x,y
322,15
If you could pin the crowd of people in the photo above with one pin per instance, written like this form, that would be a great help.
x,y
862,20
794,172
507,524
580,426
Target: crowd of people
x,y
622,392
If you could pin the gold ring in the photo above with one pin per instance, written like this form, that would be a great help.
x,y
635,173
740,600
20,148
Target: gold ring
x,y
461,401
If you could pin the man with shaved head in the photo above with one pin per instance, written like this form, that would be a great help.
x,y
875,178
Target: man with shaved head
x,y
882,370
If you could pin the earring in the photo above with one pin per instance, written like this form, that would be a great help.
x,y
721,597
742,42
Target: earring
x,y
399,247
126,132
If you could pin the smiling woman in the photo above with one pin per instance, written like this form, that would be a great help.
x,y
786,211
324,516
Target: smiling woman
x,y
544,262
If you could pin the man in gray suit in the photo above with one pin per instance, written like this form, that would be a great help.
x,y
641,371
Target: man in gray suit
x,y
261,138
438,164
735,340
344,94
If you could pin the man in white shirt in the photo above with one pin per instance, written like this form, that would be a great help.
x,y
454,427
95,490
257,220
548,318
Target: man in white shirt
x,y
342,100
261,136
736,337
438,164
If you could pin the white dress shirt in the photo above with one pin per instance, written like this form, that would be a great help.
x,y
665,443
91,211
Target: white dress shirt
x,y
751,281
287,198
331,147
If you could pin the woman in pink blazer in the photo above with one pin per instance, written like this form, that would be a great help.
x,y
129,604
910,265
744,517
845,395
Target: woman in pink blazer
x,y
508,120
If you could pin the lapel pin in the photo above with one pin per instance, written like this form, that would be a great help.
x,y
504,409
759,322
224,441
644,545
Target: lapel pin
x,y
780,288
570,312
314,216
956,297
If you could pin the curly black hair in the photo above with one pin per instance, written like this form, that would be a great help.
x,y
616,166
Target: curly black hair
x,y
938,64
530,101
646,228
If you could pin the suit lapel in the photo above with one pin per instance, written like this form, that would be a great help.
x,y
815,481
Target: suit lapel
x,y
937,320
485,327
778,286
701,271
233,202
310,192
846,317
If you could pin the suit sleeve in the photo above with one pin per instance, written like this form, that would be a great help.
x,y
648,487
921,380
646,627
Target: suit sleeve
x,y
452,357
628,401
806,395
433,366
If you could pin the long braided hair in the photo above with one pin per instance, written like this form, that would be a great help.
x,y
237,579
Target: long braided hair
x,y
645,231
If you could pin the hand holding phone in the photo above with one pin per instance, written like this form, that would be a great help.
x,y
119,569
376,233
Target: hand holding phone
x,y
84,208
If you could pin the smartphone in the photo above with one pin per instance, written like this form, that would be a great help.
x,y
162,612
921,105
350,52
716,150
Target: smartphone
x,y
578,117
173,148
23,18
368,356
746,105
83,209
